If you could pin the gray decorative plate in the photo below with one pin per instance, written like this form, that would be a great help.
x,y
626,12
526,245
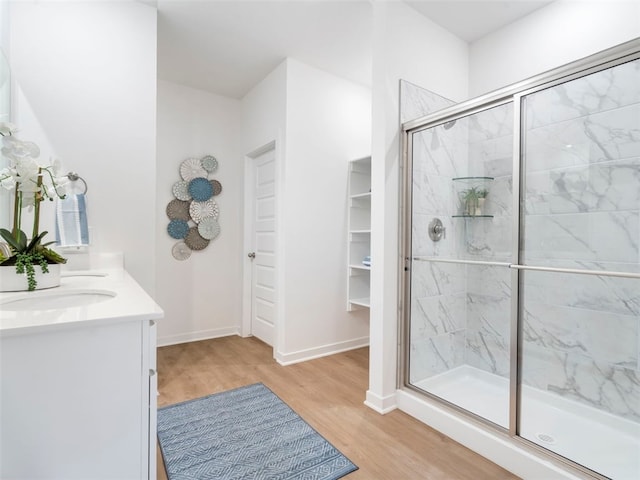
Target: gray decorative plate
x,y
180,251
217,187
209,163
191,168
178,210
209,228
194,240
200,210
181,190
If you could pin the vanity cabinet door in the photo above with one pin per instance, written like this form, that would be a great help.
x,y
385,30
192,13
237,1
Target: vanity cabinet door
x,y
72,404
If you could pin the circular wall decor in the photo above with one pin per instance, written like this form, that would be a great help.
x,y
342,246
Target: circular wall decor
x,y
180,251
200,210
192,168
181,190
209,228
209,163
178,210
178,229
193,204
194,240
200,189
217,187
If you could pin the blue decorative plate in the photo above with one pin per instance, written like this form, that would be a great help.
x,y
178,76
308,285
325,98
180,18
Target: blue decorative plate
x,y
178,229
200,189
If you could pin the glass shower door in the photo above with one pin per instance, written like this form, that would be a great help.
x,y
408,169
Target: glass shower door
x,y
579,288
462,219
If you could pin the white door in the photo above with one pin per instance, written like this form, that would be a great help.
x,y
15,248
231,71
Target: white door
x,y
263,272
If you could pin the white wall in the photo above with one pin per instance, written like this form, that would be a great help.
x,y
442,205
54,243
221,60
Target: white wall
x,y
408,46
86,74
328,123
201,296
318,122
550,37
263,124
264,111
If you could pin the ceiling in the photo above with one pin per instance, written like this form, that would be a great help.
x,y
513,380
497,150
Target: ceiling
x,y
228,46
473,19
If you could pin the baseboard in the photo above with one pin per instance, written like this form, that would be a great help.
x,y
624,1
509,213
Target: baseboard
x,y
380,404
196,336
497,447
317,352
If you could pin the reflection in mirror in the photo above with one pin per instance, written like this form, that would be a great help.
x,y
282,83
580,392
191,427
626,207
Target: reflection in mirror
x,y
5,89
5,116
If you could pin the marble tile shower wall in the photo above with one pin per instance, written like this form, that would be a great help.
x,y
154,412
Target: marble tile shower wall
x,y
460,313
488,288
581,333
438,298
582,157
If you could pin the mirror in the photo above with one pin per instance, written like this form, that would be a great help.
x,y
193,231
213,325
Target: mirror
x,y
5,116
5,88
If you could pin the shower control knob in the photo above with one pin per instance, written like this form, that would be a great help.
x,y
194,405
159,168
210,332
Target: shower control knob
x,y
436,229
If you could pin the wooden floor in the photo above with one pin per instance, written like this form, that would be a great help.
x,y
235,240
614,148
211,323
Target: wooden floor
x,y
328,393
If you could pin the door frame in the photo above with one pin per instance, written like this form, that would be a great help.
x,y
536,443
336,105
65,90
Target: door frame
x,y
248,220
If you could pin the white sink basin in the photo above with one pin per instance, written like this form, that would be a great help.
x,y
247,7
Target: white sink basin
x,y
55,300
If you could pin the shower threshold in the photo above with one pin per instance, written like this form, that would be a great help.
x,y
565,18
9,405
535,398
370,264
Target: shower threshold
x,y
605,443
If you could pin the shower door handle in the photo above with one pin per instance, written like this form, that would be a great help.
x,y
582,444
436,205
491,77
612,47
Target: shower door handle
x,y
437,230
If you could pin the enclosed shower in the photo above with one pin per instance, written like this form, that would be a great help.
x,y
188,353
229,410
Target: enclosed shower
x,y
522,262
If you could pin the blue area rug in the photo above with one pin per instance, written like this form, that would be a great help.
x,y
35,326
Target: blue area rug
x,y
246,433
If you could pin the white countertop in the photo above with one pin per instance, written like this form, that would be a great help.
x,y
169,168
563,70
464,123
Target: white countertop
x,y
120,299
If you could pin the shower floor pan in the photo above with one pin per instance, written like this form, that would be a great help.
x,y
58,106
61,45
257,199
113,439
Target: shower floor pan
x,y
605,443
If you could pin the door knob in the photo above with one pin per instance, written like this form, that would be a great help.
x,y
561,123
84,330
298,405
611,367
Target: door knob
x,y
252,255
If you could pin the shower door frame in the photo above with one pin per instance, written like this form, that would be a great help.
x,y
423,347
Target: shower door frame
x,y
515,94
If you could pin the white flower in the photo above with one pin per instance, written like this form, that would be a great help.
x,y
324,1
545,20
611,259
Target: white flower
x,y
27,170
7,129
16,150
7,178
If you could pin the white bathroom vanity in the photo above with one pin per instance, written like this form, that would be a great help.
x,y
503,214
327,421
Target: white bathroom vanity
x,y
78,380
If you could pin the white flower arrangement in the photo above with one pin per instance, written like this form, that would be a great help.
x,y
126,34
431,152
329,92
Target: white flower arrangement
x,y
31,183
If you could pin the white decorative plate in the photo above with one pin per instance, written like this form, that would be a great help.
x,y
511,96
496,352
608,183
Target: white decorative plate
x,y
192,168
209,228
200,210
209,163
180,251
181,190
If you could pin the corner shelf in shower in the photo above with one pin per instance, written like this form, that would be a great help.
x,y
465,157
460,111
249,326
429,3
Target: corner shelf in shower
x,y
470,202
359,234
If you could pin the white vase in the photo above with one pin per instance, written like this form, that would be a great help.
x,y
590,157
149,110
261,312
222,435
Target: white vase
x,y
10,281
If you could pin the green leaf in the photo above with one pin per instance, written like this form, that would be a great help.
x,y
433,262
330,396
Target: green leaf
x,y
10,239
35,241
